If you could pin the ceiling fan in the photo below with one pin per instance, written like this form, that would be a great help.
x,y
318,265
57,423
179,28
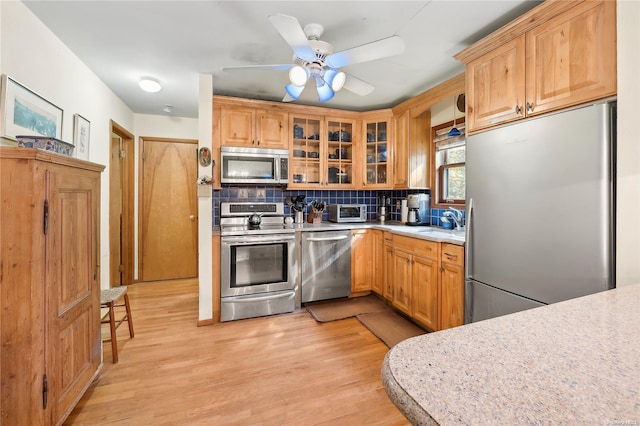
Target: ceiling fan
x,y
315,61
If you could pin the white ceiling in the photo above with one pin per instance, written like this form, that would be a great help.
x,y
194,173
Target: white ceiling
x,y
175,41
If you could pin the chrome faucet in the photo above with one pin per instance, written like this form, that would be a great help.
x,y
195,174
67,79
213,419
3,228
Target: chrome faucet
x,y
455,215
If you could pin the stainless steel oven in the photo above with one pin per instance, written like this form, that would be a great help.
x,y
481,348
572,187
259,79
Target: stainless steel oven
x,y
258,264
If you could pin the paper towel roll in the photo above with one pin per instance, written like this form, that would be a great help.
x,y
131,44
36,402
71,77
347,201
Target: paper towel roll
x,y
404,211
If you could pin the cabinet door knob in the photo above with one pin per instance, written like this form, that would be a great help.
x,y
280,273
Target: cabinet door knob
x,y
529,106
518,110
192,218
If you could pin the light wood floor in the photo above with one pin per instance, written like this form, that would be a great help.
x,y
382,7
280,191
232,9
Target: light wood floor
x,y
280,370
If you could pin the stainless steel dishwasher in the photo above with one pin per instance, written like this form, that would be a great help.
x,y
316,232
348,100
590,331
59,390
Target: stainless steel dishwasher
x,y
326,265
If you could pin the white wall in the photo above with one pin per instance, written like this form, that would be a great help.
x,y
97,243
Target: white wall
x,y
628,164
205,272
36,58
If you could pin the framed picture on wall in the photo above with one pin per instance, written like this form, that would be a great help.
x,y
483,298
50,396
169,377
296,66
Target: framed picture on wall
x,y
23,112
81,136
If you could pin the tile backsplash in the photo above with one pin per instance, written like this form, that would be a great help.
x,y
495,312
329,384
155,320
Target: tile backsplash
x,y
231,193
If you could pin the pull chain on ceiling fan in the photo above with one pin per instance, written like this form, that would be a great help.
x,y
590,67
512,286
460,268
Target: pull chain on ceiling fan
x,y
315,61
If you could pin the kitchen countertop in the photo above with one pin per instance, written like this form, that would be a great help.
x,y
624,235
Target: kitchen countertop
x,y
430,233
573,362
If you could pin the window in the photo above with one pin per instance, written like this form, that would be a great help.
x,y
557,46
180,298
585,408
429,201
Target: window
x,y
449,163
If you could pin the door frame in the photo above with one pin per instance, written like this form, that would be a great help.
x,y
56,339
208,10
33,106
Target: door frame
x,y
141,140
127,237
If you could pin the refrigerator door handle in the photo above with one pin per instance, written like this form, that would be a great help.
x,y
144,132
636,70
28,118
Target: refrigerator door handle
x,y
467,240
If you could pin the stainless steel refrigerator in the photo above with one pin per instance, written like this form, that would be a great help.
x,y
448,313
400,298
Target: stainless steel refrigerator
x,y
540,211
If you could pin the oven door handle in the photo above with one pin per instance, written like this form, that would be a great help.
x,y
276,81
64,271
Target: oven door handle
x,y
341,237
258,239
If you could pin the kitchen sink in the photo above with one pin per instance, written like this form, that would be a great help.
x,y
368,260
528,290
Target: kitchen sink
x,y
436,233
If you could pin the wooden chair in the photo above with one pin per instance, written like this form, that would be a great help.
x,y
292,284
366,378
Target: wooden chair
x,y
109,299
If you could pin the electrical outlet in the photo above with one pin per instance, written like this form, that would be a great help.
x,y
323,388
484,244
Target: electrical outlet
x,y
261,193
243,193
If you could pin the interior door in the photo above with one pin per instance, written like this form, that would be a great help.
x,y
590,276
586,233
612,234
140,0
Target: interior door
x,y
168,209
115,212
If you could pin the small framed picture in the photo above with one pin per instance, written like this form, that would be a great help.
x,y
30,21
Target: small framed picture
x,y
24,112
81,127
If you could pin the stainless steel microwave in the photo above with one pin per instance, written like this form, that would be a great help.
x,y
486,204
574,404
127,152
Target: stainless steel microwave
x,y
254,165
347,212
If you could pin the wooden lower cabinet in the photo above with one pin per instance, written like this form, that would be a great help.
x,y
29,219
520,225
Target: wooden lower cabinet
x,y
422,279
402,283
389,278
361,260
50,293
426,292
377,284
452,286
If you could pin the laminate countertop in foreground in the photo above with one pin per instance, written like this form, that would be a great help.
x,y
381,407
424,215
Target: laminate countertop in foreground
x,y
573,362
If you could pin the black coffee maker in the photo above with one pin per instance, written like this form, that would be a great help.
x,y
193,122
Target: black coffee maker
x,y
418,209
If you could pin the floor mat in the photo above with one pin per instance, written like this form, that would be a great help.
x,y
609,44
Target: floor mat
x,y
390,327
345,308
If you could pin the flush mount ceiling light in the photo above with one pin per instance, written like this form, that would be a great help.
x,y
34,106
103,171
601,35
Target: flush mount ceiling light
x,y
149,84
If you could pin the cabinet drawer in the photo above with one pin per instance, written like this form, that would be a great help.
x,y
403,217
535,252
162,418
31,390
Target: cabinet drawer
x,y
453,254
417,246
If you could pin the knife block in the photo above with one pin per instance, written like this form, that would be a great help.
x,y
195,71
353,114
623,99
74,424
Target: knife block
x,y
315,216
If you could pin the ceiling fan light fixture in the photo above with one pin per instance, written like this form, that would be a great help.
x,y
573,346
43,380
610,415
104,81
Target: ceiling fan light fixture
x,y
149,84
325,92
294,91
298,75
335,79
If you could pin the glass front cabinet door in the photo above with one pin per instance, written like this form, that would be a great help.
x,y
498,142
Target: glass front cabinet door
x,y
340,153
307,151
377,151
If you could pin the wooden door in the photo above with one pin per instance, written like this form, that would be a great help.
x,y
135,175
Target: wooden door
x,y
452,286
389,274
121,215
361,260
73,346
271,129
377,282
401,150
496,85
571,59
425,294
402,281
168,208
237,126
115,212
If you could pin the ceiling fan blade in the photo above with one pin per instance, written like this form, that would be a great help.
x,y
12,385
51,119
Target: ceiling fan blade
x,y
279,67
290,29
357,86
390,46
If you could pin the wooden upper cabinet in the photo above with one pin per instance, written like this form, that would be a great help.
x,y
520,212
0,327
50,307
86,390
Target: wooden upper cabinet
x,y
571,59
496,86
253,127
271,129
401,150
557,55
